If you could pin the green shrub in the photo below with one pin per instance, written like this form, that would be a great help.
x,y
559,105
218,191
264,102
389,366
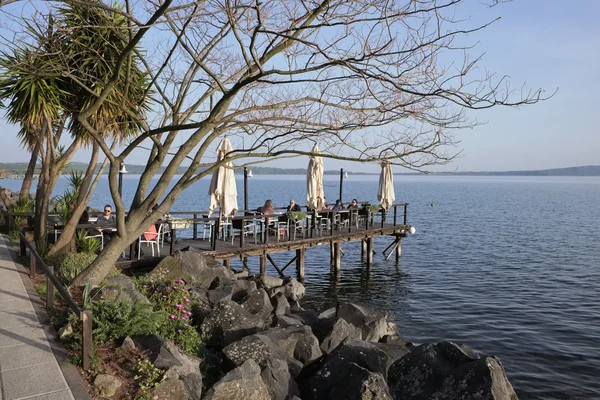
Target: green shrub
x,y
148,376
173,299
86,244
21,205
112,320
68,266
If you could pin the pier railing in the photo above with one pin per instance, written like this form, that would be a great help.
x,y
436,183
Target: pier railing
x,y
52,282
260,227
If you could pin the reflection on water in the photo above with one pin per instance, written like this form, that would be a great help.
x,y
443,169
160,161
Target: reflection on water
x,y
506,265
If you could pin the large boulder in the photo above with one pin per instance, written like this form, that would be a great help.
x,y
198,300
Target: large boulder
x,y
280,304
373,324
242,383
122,288
291,289
257,303
241,289
280,383
182,371
229,322
340,331
107,385
296,341
360,384
220,290
194,268
448,370
334,371
260,349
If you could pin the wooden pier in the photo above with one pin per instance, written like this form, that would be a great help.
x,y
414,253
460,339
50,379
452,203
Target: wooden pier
x,y
330,228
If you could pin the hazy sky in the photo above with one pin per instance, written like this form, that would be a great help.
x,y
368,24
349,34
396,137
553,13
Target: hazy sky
x,y
544,43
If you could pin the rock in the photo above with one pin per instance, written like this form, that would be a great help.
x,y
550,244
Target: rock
x,y
242,383
222,291
229,322
170,389
334,370
107,385
244,273
260,349
296,341
283,321
394,351
194,268
65,332
339,332
257,302
308,317
122,288
269,282
291,288
360,384
373,324
280,304
448,370
278,380
241,289
330,313
179,367
128,344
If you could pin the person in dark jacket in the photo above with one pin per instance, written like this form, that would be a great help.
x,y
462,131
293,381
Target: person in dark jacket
x,y
293,206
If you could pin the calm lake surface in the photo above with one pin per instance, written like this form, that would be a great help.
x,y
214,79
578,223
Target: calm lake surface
x,y
509,266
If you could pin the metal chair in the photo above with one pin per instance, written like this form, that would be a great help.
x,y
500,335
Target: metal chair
x,y
154,241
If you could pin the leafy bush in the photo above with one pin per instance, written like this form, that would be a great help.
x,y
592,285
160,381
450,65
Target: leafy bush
x,y
114,320
68,266
147,376
173,299
86,244
21,205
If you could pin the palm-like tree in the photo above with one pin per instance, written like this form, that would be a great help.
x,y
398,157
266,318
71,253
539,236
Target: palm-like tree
x,y
45,84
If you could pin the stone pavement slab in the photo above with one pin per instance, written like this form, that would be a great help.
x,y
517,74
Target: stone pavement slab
x,y
29,368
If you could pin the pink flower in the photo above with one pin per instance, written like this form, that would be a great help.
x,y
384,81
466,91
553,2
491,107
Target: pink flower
x,y
186,325
178,305
151,280
172,316
164,297
186,299
174,287
145,286
168,287
179,330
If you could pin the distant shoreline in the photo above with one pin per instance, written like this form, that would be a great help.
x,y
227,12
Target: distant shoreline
x,y
17,170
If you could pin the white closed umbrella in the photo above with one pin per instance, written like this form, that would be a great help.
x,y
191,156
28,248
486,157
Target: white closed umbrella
x,y
315,195
385,194
222,189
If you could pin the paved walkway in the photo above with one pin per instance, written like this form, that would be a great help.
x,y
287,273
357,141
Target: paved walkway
x,y
29,368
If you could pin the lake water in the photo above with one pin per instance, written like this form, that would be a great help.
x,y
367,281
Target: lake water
x,y
509,266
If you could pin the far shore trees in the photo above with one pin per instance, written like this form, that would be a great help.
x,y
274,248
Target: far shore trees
x,y
368,80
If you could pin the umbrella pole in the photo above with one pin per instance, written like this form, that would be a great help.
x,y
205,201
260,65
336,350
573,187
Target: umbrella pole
x,y
245,189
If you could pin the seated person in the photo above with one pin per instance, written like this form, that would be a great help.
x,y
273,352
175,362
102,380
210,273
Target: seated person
x,y
293,207
267,208
353,204
107,218
337,205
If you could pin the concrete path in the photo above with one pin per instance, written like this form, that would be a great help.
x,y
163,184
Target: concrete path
x,y
29,367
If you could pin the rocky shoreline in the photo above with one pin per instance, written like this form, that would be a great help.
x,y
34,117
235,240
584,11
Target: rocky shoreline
x,y
264,345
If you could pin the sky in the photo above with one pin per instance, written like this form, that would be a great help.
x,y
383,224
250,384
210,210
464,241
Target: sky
x,y
550,44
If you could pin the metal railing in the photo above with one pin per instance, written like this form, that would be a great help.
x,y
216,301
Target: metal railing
x,y
52,282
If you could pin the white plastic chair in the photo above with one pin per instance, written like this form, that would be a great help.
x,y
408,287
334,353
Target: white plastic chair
x,y
151,242
247,229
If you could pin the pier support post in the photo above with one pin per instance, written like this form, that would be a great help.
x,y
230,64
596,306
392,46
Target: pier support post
x,y
399,250
263,263
337,257
300,264
226,263
369,251
331,253
363,248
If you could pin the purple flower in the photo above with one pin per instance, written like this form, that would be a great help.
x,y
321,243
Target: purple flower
x,y
179,330
168,287
172,316
186,299
174,287
186,325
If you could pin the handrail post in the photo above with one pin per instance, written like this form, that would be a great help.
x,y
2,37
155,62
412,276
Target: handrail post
x,y
50,288
241,232
10,222
32,265
405,212
195,227
86,320
395,214
22,243
383,216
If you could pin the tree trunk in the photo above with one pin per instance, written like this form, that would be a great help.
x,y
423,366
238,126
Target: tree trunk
x,y
64,244
105,261
42,200
28,178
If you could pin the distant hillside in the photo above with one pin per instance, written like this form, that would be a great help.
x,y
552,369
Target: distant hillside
x,y
588,170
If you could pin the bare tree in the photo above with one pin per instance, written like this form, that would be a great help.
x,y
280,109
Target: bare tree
x,y
369,79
